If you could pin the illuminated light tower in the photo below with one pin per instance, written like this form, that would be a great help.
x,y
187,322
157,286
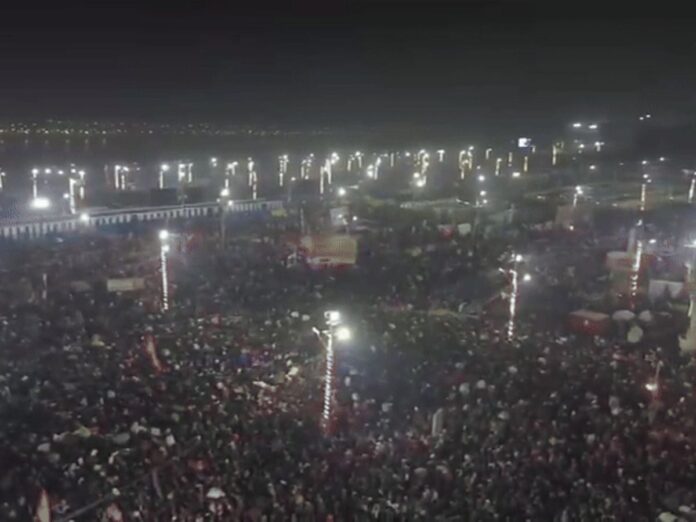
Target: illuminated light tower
x,y
181,172
359,157
225,204
164,251
525,164
510,158
554,155
598,146
370,171
692,186
378,162
462,164
163,169
282,169
392,159
2,179
322,174
303,169
330,162
635,269
35,183
644,191
349,163
117,177
213,162
576,195
514,294
498,163
470,156
488,153
71,195
424,163
122,176
230,172
250,171
189,173
335,332
440,155
82,174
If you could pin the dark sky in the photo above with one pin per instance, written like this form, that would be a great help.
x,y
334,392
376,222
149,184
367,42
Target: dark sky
x,y
388,62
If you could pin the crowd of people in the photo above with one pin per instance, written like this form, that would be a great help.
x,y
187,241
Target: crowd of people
x,y
111,409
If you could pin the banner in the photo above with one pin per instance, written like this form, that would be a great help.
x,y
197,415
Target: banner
x,y
125,284
329,251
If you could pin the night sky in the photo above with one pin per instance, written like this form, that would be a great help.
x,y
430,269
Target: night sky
x,y
343,63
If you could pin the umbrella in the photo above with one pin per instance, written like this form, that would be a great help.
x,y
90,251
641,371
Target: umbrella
x,y
646,316
623,315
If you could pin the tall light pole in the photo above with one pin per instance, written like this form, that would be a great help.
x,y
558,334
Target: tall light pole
x,y
2,179
510,158
71,195
230,172
225,204
164,250
82,175
440,155
163,169
189,172
498,163
635,272
488,153
576,195
462,164
525,164
334,332
692,186
378,162
282,169
35,183
117,177
644,191
253,179
181,172
359,157
514,292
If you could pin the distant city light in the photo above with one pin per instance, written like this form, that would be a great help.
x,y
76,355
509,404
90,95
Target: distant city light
x,y
341,192
163,235
84,217
516,174
577,125
592,126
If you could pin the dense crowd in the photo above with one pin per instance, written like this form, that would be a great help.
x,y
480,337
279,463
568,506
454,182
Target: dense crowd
x,y
211,410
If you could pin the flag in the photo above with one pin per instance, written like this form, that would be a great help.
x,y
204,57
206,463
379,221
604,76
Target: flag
x,y
43,508
151,352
